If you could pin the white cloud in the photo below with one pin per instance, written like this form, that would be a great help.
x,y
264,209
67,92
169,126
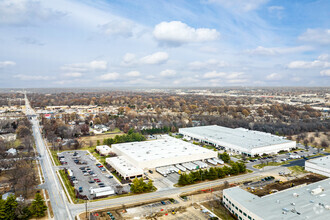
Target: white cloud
x,y
7,63
296,79
321,36
32,77
133,74
128,59
213,74
236,81
235,75
325,72
73,75
168,72
278,50
211,63
110,76
308,65
176,33
275,8
274,77
240,5
324,57
22,12
118,27
82,67
156,58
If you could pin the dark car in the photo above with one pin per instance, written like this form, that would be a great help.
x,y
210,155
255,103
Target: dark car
x,y
80,189
91,181
150,171
163,203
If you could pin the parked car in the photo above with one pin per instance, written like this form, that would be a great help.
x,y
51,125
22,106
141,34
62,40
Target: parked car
x,y
80,189
91,181
150,171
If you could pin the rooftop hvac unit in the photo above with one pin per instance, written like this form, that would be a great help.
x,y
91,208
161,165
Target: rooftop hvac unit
x,y
316,191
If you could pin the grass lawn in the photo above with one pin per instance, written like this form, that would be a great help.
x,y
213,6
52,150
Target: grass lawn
x,y
209,147
218,209
297,169
68,186
99,137
259,166
56,160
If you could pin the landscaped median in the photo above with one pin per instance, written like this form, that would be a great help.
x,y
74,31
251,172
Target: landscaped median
x,y
262,165
68,186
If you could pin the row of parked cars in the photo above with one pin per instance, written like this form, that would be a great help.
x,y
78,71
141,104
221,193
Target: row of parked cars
x,y
100,166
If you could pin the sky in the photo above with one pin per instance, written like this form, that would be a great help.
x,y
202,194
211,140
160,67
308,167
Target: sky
x,y
155,43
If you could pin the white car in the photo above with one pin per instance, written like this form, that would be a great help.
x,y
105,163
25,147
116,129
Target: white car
x,y
94,174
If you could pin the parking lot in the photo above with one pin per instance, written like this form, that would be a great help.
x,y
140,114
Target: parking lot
x,y
86,173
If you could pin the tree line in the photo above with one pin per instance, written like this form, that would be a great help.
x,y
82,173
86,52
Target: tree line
x,y
10,209
139,186
212,173
162,130
131,136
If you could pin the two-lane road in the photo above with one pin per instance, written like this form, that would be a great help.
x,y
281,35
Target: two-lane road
x,y
56,194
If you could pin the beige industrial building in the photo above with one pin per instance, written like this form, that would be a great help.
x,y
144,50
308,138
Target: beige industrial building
x,y
319,165
238,140
307,202
142,156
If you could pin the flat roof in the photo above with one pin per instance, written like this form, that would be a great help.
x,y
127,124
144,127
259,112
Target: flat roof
x,y
323,162
166,147
123,166
291,202
242,137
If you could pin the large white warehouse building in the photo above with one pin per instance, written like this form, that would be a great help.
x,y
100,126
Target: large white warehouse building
x,y
238,140
319,165
145,155
307,202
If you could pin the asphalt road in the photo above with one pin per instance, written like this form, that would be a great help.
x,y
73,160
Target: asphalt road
x,y
56,194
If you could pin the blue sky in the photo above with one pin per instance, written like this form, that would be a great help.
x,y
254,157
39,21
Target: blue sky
x,y
149,43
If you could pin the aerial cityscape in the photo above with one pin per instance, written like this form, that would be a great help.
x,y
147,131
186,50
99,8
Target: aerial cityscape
x,y
165,110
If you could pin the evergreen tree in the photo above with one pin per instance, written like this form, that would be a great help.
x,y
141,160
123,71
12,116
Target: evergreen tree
x,y
225,157
2,209
150,186
38,206
212,175
10,207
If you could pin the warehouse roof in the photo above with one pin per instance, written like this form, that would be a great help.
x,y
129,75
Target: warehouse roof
x,y
123,166
242,137
323,162
162,148
308,202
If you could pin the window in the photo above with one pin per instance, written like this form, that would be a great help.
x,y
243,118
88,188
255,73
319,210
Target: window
x,y
244,213
240,211
236,207
249,217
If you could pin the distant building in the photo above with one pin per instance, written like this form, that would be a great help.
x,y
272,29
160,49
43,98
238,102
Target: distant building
x,y
104,150
307,202
12,151
238,140
8,137
319,165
